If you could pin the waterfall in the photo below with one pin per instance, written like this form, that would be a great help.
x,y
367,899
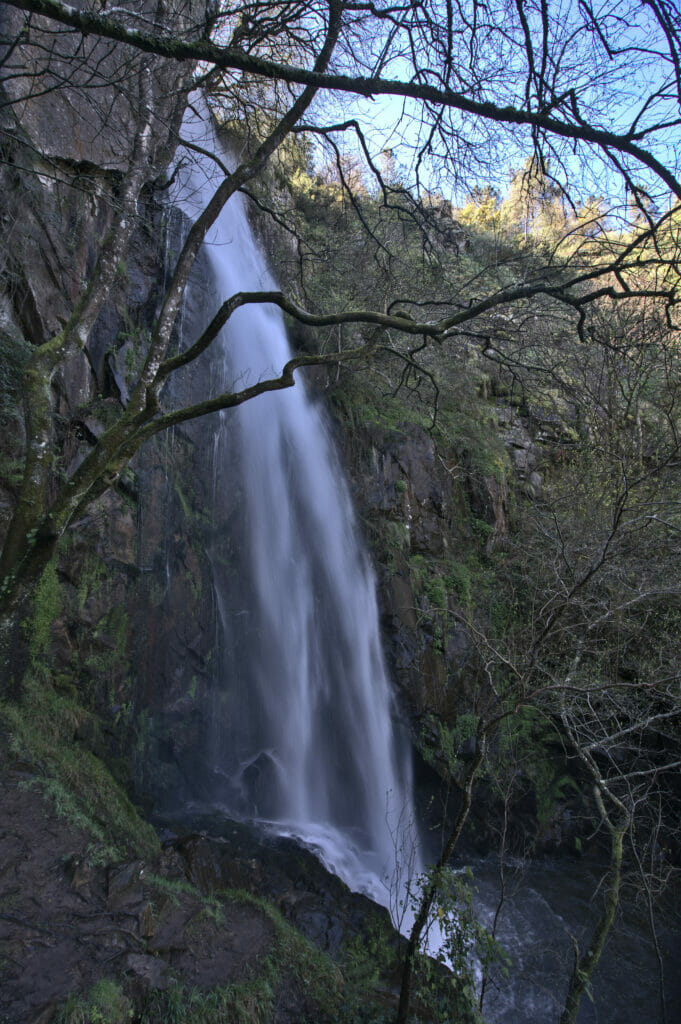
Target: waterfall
x,y
304,735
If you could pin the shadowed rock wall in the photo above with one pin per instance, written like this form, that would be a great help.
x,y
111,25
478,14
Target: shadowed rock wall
x,y
132,616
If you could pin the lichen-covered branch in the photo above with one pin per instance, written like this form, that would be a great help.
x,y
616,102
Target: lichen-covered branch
x,y
585,965
541,118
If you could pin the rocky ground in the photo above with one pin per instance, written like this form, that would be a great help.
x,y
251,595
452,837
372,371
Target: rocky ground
x,y
159,929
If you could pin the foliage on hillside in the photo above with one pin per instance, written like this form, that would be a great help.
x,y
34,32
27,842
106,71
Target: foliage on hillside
x,y
572,596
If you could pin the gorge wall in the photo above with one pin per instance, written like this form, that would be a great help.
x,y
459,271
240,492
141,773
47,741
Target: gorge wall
x,y
126,621
127,609
119,698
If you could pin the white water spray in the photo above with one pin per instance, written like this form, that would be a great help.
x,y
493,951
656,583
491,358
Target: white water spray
x,y
304,734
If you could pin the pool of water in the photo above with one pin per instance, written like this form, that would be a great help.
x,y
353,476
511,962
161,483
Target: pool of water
x,y
547,902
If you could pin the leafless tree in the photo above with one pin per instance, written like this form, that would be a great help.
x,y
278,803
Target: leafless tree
x,y
592,568
471,79
472,85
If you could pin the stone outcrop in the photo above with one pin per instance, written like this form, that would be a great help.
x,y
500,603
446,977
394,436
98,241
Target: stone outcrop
x,y
150,927
416,503
133,619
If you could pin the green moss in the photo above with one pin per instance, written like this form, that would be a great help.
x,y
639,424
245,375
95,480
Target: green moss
x,y
42,730
438,641
173,888
118,628
436,580
395,536
245,1002
46,608
481,530
92,576
435,591
365,962
294,955
184,500
105,1003
418,567
459,581
193,514
291,958
361,402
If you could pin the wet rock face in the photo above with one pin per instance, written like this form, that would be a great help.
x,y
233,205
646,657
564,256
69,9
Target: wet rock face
x,y
416,505
238,856
92,110
399,477
133,622
433,519
71,109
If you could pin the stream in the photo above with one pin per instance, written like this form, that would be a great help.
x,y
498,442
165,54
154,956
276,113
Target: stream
x,y
549,900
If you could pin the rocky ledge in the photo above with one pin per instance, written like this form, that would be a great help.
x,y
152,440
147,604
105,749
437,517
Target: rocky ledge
x,y
210,918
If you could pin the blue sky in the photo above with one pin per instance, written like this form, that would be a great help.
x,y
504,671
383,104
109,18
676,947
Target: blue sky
x,y
612,87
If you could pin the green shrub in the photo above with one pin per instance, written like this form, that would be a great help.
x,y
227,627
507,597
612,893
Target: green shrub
x,y
42,728
105,1003
459,581
436,592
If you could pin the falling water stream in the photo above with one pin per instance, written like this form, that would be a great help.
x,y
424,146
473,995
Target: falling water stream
x,y
304,738
304,735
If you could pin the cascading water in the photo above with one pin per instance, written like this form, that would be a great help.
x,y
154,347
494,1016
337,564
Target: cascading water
x,y
303,732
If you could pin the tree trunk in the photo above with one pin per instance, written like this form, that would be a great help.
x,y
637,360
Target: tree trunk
x,y
17,595
584,966
430,892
